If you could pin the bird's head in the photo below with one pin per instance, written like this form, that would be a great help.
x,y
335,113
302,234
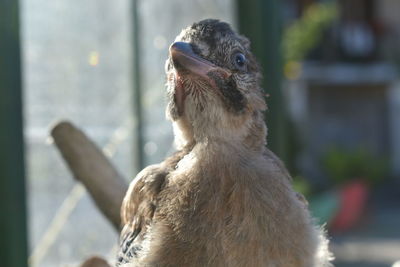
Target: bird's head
x,y
213,83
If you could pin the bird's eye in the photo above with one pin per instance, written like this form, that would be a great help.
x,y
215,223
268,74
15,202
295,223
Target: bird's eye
x,y
239,60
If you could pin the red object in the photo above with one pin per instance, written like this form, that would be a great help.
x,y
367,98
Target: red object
x,y
353,199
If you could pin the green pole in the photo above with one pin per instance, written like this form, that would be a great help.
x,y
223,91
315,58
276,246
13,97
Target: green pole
x,y
260,21
13,232
137,84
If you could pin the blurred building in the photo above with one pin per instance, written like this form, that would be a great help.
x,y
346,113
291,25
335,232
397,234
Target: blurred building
x,y
346,92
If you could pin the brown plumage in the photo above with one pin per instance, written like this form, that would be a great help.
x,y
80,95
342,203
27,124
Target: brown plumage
x,y
223,199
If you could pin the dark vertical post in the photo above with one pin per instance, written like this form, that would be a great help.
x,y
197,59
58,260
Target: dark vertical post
x,y
13,233
260,21
137,84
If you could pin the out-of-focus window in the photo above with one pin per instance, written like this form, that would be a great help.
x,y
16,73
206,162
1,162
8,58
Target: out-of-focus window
x,y
77,61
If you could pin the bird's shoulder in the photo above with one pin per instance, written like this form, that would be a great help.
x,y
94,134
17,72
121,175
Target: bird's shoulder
x,y
275,160
142,192
141,197
140,203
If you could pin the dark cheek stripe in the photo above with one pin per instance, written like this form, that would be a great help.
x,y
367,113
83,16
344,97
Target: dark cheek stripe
x,y
231,96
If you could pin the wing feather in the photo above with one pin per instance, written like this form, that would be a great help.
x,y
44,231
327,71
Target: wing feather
x,y
140,204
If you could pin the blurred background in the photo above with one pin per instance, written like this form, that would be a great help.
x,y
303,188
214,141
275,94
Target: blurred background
x,y
331,70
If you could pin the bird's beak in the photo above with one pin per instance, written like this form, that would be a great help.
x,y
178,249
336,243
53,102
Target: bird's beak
x,y
184,58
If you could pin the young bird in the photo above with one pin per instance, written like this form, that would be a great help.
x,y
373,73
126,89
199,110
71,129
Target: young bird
x,y
223,199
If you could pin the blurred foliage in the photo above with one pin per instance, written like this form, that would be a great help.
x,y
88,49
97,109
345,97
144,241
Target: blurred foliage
x,y
307,32
345,165
301,185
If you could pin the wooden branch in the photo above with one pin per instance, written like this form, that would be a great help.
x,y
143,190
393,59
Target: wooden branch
x,y
95,262
90,166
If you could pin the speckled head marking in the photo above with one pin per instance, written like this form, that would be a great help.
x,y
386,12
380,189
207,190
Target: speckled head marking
x,y
213,83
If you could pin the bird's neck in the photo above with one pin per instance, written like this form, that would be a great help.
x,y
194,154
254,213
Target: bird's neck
x,y
250,137
222,149
252,143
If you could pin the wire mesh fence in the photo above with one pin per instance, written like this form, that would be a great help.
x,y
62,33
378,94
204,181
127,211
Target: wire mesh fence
x,y
77,58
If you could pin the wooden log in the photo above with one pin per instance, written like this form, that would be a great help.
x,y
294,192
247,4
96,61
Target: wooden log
x,y
91,167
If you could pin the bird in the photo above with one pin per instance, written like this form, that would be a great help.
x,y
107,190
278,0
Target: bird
x,y
223,198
